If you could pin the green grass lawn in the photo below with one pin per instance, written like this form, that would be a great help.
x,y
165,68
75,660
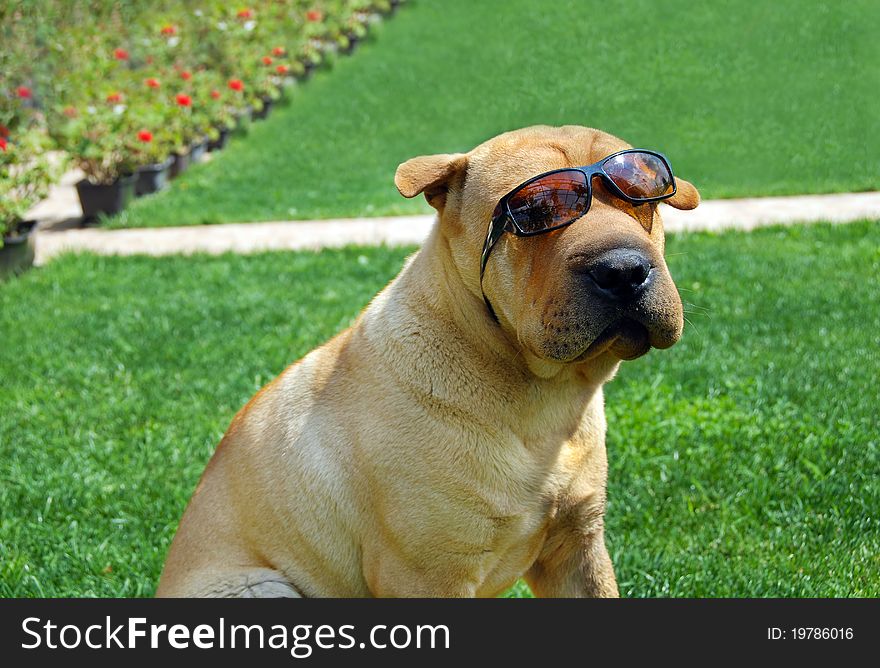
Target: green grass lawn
x,y
745,461
747,98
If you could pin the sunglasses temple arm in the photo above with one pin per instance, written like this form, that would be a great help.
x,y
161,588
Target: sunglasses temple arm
x,y
496,229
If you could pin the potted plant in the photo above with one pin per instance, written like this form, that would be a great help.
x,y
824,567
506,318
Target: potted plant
x,y
218,136
356,29
179,163
213,114
150,144
313,49
200,122
222,119
183,135
269,95
258,113
292,71
240,113
153,162
25,170
99,198
25,176
16,248
198,149
101,144
223,123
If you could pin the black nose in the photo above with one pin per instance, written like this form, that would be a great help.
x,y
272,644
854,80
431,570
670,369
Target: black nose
x,y
620,273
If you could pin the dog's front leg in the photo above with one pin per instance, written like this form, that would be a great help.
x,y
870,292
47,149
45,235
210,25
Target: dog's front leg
x,y
573,565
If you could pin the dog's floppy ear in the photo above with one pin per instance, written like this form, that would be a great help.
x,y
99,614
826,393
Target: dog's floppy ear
x,y
686,195
429,174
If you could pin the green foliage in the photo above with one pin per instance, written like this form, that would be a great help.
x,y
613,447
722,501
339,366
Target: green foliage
x,y
25,175
744,461
102,73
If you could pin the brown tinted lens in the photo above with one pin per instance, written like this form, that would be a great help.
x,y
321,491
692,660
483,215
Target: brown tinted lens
x,y
639,175
550,201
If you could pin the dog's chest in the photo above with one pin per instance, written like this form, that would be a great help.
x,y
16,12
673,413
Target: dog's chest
x,y
494,526
465,511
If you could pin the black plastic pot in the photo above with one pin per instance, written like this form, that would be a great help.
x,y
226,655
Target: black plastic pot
x,y
152,178
106,199
197,151
17,252
219,143
268,103
352,43
179,164
308,68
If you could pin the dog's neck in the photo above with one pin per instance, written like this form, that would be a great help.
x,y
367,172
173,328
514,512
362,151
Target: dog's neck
x,y
465,359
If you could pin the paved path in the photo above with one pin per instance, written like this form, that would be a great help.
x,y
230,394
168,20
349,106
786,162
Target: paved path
x,y
57,236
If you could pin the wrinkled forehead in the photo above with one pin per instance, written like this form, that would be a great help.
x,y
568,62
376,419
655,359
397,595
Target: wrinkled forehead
x,y
502,163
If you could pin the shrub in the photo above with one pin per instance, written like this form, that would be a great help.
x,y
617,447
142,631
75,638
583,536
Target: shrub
x,y
25,168
25,175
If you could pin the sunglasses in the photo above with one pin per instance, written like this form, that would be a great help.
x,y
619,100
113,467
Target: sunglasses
x,y
557,198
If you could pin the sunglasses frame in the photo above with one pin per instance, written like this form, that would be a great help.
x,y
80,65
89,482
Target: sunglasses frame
x,y
589,171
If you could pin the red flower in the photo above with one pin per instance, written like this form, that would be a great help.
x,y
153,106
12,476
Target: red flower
x,y
24,92
236,84
70,112
145,136
169,30
152,83
114,97
215,94
282,69
267,60
278,51
245,13
4,131
186,76
314,15
120,54
184,100
3,144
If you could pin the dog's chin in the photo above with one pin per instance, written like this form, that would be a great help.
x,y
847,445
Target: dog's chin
x,y
624,339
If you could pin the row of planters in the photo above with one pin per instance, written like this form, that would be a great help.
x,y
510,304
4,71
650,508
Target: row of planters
x,y
145,164
132,95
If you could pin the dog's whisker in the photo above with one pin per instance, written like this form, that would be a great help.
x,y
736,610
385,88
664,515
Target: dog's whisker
x,y
694,309
691,324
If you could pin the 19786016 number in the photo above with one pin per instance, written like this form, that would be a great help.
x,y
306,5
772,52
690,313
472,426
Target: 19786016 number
x,y
821,633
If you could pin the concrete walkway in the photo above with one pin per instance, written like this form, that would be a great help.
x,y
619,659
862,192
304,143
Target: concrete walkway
x,y
58,235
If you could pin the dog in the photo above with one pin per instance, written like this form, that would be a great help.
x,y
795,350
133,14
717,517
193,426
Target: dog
x,y
452,439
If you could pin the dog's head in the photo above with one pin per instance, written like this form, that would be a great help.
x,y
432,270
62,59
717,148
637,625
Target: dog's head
x,y
598,288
